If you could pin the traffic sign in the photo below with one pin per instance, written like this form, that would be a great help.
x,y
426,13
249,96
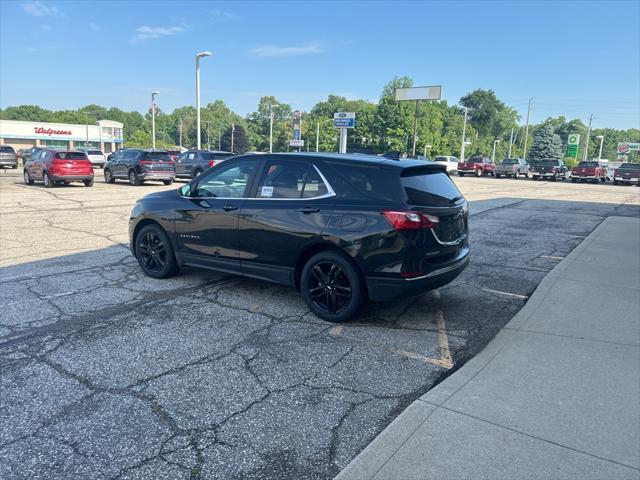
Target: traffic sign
x,y
344,119
296,143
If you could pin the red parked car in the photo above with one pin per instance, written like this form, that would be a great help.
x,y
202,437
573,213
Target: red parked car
x,y
59,166
478,166
589,171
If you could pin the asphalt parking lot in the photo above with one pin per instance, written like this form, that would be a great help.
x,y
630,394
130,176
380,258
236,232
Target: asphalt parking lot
x,y
106,373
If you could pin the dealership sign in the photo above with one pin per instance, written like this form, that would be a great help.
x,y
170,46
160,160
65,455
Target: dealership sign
x,y
51,131
344,119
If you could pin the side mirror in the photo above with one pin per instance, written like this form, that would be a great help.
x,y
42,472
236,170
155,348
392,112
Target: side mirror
x,y
185,190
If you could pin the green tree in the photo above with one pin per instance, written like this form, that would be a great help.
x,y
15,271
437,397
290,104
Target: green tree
x,y
546,144
241,143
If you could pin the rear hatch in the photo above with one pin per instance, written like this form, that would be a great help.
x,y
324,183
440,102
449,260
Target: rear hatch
x,y
431,191
506,166
96,156
7,153
628,171
157,162
72,163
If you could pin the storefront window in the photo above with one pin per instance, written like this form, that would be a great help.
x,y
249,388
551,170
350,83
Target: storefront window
x,y
82,143
57,144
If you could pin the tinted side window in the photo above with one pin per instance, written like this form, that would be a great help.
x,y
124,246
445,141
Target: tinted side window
x,y
283,179
228,181
352,181
130,155
313,185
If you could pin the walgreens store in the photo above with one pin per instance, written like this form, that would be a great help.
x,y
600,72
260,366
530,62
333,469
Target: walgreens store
x,y
105,135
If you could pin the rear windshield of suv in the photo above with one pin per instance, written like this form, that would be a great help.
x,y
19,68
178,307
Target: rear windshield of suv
x,y
548,163
94,152
432,188
441,159
510,161
164,156
7,149
476,160
71,156
588,164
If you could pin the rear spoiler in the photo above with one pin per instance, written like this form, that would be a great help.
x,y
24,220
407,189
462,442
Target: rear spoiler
x,y
427,168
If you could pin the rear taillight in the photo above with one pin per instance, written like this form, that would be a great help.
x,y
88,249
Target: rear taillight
x,y
410,220
146,162
554,169
515,168
212,163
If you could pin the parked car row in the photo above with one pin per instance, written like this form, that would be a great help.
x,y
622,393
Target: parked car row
x,y
549,169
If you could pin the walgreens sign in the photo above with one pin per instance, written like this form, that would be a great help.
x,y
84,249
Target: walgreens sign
x,y
50,131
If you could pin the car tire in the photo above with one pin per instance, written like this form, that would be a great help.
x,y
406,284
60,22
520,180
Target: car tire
x,y
603,180
27,178
526,175
88,183
535,178
108,176
168,182
332,287
554,178
48,182
133,178
196,172
154,252
498,175
615,182
479,172
461,174
573,180
515,176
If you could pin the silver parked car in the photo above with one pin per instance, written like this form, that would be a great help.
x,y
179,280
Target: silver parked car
x,y
512,167
450,162
97,158
8,157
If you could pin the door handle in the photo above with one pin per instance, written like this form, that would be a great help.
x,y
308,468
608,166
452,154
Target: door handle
x,y
307,210
228,208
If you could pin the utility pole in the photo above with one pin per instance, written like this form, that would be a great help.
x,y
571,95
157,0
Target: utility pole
x,y
464,134
233,129
86,126
208,136
526,132
317,135
271,127
586,143
415,127
510,143
180,130
153,119
219,139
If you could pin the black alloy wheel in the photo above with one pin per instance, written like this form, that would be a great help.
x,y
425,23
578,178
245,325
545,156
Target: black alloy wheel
x,y
155,253
108,176
133,178
331,287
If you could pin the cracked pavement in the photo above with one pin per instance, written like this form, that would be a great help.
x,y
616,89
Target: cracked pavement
x,y
105,373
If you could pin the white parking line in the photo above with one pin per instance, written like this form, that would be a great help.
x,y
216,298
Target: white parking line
x,y
522,297
551,257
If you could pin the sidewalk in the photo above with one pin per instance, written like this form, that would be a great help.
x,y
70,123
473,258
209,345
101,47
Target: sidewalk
x,y
555,395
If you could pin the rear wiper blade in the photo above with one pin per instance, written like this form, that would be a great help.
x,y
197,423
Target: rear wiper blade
x,y
454,200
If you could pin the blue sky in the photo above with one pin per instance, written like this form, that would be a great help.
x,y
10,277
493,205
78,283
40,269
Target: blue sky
x,y
572,58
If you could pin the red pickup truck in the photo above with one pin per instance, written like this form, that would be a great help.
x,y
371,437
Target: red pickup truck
x,y
592,171
477,165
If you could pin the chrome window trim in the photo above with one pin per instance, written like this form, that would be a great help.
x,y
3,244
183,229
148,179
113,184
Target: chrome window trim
x,y
454,242
330,193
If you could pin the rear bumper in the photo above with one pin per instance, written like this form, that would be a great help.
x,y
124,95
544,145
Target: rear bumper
x,y
383,289
585,177
9,163
546,174
627,179
157,175
71,178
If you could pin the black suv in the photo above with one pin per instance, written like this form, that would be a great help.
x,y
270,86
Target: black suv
x,y
192,163
138,166
343,229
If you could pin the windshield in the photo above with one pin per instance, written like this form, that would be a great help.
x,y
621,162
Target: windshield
x,y
548,163
588,164
6,149
429,188
510,161
476,160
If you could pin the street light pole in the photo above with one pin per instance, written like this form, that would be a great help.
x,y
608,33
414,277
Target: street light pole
x,y
317,135
86,128
271,127
586,144
464,133
198,57
153,119
526,132
233,129
493,155
510,142
601,138
180,130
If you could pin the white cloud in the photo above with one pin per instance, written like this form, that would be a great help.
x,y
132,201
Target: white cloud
x,y
148,33
278,51
94,26
220,15
40,9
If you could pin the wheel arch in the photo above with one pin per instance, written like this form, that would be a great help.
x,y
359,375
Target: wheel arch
x,y
316,248
150,221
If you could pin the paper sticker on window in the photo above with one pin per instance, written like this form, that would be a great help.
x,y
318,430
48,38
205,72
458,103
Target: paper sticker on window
x,y
266,192
311,187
